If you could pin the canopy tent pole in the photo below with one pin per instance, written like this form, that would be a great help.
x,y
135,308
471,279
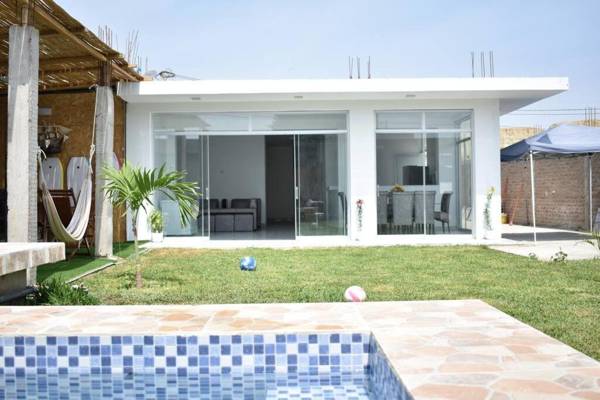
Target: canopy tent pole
x,y
532,196
591,187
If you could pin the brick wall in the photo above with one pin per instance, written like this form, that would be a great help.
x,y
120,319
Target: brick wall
x,y
561,191
74,110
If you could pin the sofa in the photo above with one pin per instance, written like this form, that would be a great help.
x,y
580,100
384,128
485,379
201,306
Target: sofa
x,y
242,215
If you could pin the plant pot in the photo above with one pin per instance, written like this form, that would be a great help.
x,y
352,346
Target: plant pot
x,y
359,236
488,235
157,237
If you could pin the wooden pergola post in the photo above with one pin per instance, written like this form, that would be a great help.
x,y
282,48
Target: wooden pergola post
x,y
105,122
21,161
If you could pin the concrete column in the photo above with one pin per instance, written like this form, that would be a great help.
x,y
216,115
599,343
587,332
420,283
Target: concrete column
x,y
486,169
362,172
21,167
105,122
139,151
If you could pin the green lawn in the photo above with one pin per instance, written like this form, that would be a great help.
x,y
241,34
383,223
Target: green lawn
x,y
561,299
81,263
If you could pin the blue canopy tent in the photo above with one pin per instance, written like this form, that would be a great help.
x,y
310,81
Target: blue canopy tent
x,y
562,139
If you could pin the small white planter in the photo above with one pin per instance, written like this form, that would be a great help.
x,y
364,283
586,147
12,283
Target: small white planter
x,y
157,237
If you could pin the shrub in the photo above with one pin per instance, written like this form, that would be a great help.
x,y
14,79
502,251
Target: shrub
x,y
559,256
56,292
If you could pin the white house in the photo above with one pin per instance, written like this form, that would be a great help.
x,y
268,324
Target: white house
x,y
420,155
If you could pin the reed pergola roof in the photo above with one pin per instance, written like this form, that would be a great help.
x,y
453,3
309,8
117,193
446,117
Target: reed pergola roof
x,y
71,56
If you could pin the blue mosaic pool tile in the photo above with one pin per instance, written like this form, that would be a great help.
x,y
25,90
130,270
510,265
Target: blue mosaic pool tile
x,y
239,353
383,382
276,365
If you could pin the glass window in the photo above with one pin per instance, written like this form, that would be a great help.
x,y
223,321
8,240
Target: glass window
x,y
448,120
298,121
400,120
179,146
194,122
424,177
224,122
177,122
240,122
187,153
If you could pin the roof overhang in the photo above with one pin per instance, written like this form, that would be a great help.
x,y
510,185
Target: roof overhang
x,y
70,55
512,93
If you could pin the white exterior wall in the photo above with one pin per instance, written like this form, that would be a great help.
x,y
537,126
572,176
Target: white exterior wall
x,y
486,170
361,150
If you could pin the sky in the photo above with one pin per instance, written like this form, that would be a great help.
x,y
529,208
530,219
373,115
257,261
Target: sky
x,y
287,39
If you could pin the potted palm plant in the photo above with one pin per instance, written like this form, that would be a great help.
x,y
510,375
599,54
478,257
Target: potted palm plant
x,y
134,188
156,225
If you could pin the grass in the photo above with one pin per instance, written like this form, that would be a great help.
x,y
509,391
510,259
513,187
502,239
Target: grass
x,y
561,299
80,264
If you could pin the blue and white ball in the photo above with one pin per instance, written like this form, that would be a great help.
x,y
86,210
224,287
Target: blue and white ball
x,y
248,264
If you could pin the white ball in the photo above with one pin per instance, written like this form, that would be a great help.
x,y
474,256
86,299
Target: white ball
x,y
355,293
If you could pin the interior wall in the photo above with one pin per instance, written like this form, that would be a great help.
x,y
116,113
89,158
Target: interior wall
x,y
74,110
237,168
394,154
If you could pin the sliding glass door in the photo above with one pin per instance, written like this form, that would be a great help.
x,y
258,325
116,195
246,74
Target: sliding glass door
x,y
320,176
187,152
181,142
423,172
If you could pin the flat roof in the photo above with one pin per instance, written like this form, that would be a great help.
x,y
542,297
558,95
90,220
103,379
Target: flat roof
x,y
513,93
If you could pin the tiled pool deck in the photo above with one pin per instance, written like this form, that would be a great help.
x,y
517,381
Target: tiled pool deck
x,y
440,349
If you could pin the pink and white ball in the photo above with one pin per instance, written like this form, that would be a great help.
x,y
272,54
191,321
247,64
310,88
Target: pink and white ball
x,y
355,293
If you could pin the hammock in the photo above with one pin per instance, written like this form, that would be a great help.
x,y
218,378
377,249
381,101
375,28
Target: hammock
x,y
75,231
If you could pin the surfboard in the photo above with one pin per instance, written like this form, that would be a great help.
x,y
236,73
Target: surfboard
x,y
53,172
77,170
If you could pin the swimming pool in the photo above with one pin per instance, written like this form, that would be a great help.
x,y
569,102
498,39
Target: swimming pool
x,y
248,366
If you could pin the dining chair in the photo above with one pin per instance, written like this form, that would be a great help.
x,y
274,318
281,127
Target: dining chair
x,y
383,222
402,212
444,214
